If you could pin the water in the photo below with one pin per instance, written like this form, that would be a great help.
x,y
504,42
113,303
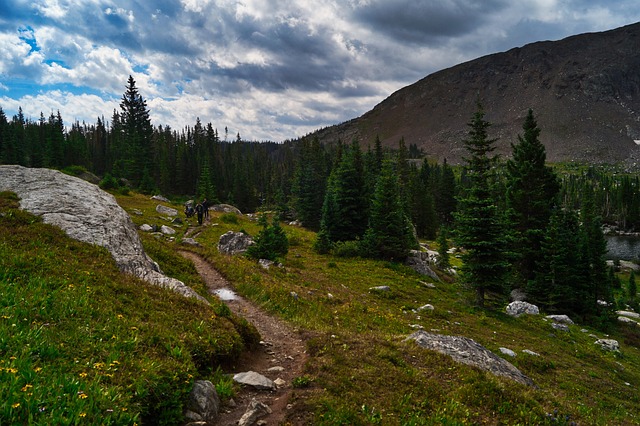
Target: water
x,y
623,247
225,294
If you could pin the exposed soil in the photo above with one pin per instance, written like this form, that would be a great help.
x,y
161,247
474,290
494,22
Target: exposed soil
x,y
281,346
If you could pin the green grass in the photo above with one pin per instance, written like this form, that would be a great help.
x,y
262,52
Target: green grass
x,y
81,342
360,370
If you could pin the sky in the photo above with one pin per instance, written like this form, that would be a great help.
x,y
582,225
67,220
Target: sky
x,y
269,70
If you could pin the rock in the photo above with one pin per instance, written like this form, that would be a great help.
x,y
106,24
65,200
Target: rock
x,y
255,410
508,352
276,369
428,285
608,344
167,211
225,208
190,242
626,320
419,261
427,307
279,382
265,263
517,308
234,243
468,351
204,403
87,213
528,352
256,380
628,314
137,212
560,327
166,230
560,319
294,295
177,221
160,198
382,288
145,227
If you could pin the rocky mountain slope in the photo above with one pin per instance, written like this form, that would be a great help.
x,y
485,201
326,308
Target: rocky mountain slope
x,y
584,91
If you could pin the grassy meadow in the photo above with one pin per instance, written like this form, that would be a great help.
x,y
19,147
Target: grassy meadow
x,y
79,341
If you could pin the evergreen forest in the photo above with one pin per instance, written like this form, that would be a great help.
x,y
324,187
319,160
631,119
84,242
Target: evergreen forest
x,y
521,223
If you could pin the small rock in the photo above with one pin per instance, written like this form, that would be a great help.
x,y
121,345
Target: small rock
x,y
279,382
527,351
204,403
265,264
507,352
255,410
560,327
561,319
145,227
608,344
166,230
160,198
626,320
329,296
628,314
190,242
427,307
381,288
276,369
137,212
294,295
168,211
256,380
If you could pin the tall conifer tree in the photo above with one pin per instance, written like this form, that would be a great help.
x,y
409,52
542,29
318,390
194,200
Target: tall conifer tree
x,y
480,226
532,188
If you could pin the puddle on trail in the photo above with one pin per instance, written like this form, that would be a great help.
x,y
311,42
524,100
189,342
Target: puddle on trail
x,y
225,294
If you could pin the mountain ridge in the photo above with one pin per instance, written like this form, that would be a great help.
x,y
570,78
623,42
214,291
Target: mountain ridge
x,y
584,91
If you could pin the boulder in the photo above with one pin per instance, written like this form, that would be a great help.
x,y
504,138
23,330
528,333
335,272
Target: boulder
x,y
145,227
203,404
167,211
160,198
608,344
508,352
560,327
427,307
517,308
468,351
627,320
225,208
381,288
190,242
234,243
87,213
420,262
629,314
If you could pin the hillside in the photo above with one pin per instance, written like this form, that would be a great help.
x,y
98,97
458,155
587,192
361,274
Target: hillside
x,y
584,90
140,345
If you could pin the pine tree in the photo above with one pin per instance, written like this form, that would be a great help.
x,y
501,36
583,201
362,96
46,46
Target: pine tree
x,y
309,184
480,227
345,208
532,188
271,243
443,249
138,133
389,235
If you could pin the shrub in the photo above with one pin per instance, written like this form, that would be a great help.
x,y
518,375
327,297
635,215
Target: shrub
x,y
271,242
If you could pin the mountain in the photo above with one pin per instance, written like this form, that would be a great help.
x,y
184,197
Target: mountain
x,y
584,91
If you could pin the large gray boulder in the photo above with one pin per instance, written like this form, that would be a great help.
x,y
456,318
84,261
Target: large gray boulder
x,y
234,242
420,261
470,352
87,213
517,308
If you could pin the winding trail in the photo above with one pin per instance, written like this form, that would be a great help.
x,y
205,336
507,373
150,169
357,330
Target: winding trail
x,y
281,346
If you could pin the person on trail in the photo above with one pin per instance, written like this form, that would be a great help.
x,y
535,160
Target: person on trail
x,y
205,207
199,212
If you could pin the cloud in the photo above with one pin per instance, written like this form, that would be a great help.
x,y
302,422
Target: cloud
x,y
269,70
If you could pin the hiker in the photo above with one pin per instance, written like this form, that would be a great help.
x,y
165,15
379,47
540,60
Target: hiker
x,y
199,212
188,210
205,207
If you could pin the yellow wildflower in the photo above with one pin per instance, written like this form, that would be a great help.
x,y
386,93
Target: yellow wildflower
x,y
83,375
82,395
37,369
26,387
16,405
83,414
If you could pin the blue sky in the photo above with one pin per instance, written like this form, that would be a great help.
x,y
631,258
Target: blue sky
x,y
269,70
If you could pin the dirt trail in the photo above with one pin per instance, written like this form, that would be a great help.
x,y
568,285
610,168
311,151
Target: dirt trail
x,y
281,347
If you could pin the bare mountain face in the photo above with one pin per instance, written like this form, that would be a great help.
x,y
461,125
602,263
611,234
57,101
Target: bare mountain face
x,y
584,91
